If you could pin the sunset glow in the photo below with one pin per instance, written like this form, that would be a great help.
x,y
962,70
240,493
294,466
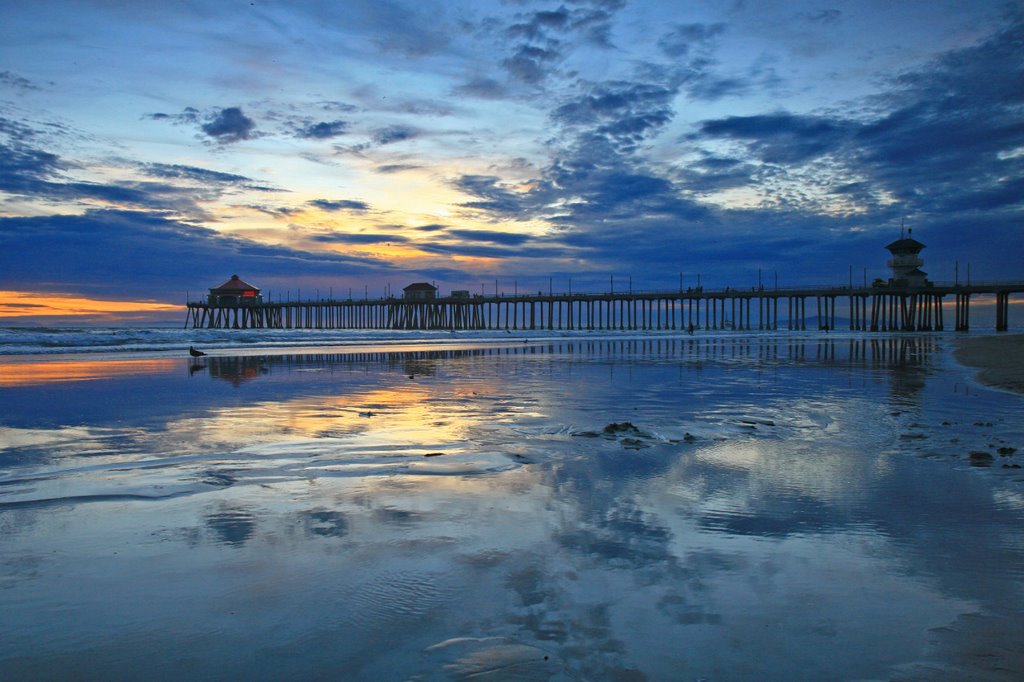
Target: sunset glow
x,y
29,304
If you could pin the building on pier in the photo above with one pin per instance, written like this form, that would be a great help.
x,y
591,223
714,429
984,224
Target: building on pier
x,y
420,291
906,263
235,292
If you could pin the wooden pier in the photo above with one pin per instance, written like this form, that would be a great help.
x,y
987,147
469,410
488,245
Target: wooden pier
x,y
881,308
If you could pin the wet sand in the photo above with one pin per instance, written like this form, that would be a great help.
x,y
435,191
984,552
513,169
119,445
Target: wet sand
x,y
1000,359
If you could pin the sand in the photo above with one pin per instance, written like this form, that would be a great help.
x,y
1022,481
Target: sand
x,y
1000,359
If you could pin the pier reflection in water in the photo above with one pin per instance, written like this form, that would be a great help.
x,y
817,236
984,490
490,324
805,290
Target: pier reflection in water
x,y
775,508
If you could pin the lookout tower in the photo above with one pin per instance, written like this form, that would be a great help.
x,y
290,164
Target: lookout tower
x,y
234,292
906,263
420,291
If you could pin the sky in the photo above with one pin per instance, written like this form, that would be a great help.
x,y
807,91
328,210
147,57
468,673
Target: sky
x,y
148,151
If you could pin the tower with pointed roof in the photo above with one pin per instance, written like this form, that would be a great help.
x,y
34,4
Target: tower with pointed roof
x,y
906,262
234,292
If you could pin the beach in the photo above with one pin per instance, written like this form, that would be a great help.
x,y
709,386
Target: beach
x,y
656,507
1000,359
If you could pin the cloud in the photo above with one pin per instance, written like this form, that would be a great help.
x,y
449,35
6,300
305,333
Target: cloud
x,y
101,251
396,167
16,82
783,137
531,64
393,134
938,138
23,168
825,16
493,197
684,37
622,112
31,172
339,205
492,236
189,116
229,125
482,88
358,238
322,130
194,173
594,25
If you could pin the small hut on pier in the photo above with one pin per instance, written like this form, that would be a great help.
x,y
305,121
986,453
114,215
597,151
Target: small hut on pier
x,y
420,291
234,292
906,263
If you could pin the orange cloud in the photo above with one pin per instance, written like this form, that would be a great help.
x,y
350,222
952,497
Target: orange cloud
x,y
31,304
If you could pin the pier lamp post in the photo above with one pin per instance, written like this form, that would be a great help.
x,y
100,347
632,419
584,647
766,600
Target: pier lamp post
x,y
611,284
570,286
515,288
956,274
631,285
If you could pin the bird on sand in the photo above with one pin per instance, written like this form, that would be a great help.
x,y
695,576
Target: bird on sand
x,y
195,353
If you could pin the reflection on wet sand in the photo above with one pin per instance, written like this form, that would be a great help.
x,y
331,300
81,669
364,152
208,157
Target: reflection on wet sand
x,y
56,371
761,517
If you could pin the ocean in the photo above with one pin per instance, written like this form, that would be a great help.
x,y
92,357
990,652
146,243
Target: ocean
x,y
550,506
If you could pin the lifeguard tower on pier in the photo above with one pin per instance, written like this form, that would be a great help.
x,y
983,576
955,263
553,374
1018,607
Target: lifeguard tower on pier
x,y
906,263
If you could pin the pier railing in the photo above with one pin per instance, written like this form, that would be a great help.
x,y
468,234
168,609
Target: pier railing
x,y
869,308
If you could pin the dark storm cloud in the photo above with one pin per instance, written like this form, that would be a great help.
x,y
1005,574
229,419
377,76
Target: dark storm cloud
x,y
321,130
229,125
430,228
339,205
592,24
104,251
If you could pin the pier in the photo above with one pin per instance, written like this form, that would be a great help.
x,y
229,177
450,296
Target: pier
x,y
870,308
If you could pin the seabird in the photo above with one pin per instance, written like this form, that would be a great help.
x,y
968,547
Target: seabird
x,y
195,353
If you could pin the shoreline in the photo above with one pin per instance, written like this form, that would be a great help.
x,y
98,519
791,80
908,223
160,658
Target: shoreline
x,y
999,360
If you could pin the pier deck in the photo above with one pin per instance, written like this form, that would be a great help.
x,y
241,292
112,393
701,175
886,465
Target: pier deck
x,y
875,308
